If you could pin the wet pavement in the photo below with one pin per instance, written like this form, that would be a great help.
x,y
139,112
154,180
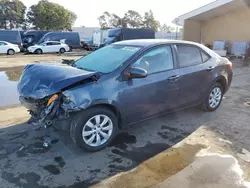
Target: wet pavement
x,y
8,86
9,79
150,151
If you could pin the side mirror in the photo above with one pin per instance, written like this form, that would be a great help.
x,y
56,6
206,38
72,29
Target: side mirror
x,y
136,72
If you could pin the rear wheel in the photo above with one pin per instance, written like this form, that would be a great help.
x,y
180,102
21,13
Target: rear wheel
x,y
38,51
93,129
10,52
213,99
62,50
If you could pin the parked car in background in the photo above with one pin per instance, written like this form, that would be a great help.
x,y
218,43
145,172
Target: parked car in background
x,y
31,38
83,40
88,44
49,47
72,39
8,48
11,36
122,84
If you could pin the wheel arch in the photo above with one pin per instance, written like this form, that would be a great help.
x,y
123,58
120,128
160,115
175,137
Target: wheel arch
x,y
113,108
222,81
11,49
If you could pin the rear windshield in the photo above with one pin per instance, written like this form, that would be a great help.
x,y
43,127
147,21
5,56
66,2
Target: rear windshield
x,y
106,59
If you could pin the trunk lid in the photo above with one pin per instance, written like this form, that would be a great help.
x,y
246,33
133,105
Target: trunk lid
x,y
40,80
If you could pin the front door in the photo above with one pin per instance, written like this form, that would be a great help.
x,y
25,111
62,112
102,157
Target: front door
x,y
158,92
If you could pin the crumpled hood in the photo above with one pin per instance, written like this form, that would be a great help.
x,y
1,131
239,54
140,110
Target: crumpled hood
x,y
40,80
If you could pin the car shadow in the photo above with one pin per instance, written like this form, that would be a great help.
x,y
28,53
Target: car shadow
x,y
24,161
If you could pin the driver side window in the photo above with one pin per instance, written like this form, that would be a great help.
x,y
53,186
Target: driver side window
x,y
156,60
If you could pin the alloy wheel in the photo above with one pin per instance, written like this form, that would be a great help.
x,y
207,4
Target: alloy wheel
x,y
215,97
97,130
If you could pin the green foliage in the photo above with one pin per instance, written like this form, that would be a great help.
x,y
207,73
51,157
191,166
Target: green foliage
x,y
50,16
12,14
149,21
131,19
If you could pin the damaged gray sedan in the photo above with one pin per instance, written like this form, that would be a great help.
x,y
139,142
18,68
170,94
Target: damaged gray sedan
x,y
121,84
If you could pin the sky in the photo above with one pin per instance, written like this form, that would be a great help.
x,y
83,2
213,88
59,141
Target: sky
x,y
88,11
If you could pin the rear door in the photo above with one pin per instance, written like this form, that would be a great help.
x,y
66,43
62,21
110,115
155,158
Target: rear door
x,y
57,46
196,68
51,47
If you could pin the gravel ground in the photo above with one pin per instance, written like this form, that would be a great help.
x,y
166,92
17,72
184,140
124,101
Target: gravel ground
x,y
25,163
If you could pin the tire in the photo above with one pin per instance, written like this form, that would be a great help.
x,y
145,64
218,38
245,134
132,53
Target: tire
x,y
62,50
11,52
206,105
39,51
79,124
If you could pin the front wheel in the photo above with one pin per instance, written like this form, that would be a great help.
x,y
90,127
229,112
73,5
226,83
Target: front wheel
x,y
213,99
94,129
38,51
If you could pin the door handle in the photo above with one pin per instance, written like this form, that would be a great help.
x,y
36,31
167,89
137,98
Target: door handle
x,y
210,68
173,78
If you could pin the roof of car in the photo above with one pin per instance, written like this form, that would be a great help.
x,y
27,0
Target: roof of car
x,y
155,42
149,42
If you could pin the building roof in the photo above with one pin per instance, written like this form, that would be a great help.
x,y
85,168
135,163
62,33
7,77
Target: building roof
x,y
213,9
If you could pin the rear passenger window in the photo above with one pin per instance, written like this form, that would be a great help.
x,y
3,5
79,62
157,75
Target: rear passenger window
x,y
188,55
205,57
56,43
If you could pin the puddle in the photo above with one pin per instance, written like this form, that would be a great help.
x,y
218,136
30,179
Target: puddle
x,y
122,140
209,170
186,166
52,169
155,169
8,86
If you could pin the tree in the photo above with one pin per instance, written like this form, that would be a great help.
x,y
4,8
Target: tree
x,y
166,28
149,21
50,16
108,20
12,14
133,19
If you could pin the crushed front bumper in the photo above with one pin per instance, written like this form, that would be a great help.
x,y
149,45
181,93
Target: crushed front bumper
x,y
43,114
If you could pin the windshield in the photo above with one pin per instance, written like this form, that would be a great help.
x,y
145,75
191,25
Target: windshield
x,y
106,59
110,40
28,39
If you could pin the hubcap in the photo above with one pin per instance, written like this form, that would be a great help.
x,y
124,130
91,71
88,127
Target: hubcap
x,y
215,97
97,130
